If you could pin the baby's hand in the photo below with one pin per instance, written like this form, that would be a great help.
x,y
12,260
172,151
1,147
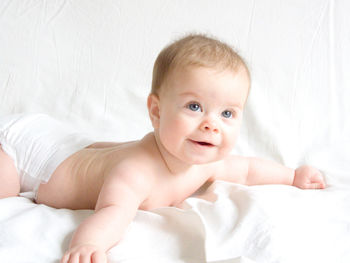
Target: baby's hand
x,y
307,177
84,254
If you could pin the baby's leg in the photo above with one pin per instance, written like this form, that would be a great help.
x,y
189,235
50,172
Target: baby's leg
x,y
9,179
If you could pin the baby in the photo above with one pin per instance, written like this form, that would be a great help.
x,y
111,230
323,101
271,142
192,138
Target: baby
x,y
199,89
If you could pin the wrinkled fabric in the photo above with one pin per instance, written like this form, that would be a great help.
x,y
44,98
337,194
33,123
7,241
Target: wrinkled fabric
x,y
226,223
90,63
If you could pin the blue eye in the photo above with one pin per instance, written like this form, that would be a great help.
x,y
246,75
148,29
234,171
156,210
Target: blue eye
x,y
194,107
227,114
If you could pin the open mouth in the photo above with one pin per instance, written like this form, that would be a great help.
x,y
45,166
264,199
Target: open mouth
x,y
203,143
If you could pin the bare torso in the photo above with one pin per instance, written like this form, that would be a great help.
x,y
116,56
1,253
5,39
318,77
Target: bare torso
x,y
77,182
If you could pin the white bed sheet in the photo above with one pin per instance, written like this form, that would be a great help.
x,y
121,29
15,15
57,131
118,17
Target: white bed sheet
x,y
224,223
90,62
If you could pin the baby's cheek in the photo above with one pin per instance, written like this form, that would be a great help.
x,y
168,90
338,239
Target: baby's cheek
x,y
231,138
171,125
182,125
170,131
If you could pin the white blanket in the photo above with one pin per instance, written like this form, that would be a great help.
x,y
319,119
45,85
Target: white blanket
x,y
224,223
90,63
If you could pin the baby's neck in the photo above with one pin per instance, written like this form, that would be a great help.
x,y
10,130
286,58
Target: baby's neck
x,y
174,165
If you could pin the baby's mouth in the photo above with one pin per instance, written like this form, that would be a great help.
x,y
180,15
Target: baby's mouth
x,y
207,144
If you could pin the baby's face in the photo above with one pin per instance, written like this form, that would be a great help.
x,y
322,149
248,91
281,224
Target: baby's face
x,y
200,113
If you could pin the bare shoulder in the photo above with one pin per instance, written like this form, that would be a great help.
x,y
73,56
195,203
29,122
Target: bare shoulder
x,y
133,178
129,182
233,168
134,172
137,163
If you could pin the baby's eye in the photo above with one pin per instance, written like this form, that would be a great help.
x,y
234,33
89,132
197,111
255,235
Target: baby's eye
x,y
194,107
227,114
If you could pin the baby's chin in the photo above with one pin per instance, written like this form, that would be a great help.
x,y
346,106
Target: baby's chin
x,y
198,159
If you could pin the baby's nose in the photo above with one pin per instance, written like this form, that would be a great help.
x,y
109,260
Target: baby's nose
x,y
209,126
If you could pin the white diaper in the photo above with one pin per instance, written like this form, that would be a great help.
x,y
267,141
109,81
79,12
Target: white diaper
x,y
38,144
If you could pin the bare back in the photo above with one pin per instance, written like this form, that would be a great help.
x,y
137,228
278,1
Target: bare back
x,y
77,182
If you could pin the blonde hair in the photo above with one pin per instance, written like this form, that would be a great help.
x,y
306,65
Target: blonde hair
x,y
195,50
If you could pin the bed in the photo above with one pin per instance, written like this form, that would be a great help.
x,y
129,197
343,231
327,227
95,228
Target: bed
x,y
90,63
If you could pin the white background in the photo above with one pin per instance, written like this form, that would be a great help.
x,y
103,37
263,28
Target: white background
x,y
90,62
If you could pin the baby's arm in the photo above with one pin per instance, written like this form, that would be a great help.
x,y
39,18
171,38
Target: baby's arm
x,y
254,171
119,199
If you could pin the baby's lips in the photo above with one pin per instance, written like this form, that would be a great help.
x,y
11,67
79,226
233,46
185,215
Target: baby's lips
x,y
206,143
203,143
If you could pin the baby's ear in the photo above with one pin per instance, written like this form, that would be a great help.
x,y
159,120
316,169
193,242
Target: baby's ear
x,y
153,109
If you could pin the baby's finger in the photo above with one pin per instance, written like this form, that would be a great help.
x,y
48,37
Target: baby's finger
x,y
316,186
74,258
86,258
65,258
99,257
318,178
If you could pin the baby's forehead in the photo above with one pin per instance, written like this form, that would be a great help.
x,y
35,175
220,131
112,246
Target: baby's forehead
x,y
223,85
219,69
190,73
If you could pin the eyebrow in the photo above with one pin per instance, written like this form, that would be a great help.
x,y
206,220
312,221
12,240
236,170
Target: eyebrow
x,y
189,93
